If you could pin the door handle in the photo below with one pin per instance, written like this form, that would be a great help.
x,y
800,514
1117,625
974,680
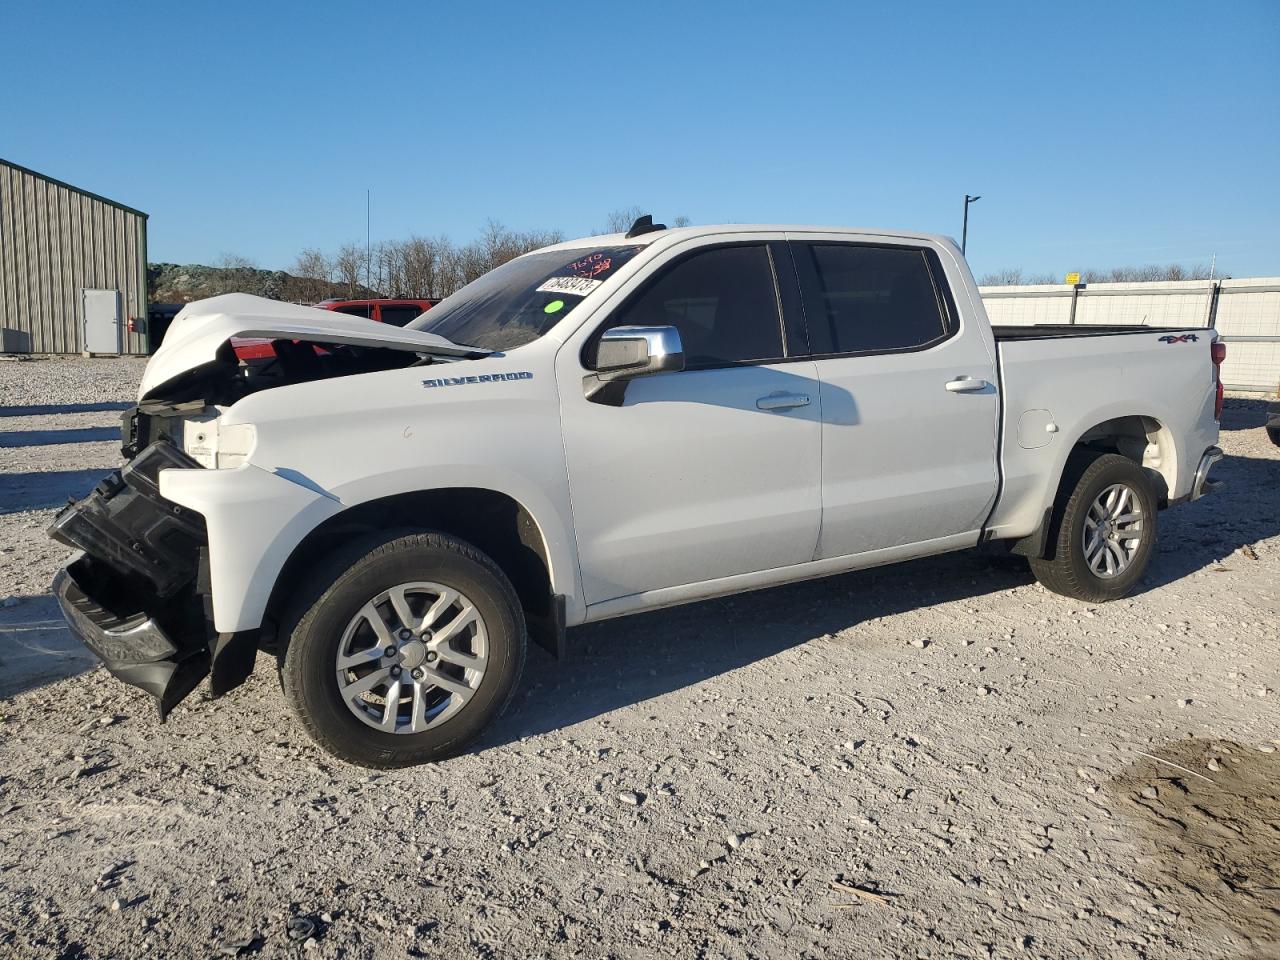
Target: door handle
x,y
966,385
782,401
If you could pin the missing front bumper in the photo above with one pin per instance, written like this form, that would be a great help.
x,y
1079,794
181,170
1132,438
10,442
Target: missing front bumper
x,y
167,661
138,597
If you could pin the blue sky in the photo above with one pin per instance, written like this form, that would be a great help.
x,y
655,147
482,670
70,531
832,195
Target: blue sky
x,y
1098,134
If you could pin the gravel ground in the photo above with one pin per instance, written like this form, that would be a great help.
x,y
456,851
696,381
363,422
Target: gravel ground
x,y
981,768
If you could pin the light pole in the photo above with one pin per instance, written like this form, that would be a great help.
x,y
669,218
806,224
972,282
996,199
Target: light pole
x,y
964,234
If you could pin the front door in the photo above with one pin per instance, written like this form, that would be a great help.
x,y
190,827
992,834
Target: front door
x,y
708,472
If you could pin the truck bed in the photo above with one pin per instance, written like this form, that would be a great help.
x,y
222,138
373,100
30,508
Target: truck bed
x,y
1059,381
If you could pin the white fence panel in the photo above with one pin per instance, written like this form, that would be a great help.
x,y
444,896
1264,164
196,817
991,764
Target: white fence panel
x,y
1246,314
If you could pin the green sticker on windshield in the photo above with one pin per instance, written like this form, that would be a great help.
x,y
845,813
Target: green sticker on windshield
x,y
555,306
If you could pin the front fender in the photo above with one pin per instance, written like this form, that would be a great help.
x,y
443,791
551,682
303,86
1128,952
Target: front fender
x,y
255,518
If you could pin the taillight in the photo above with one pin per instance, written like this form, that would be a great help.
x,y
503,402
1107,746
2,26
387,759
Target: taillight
x,y
1218,352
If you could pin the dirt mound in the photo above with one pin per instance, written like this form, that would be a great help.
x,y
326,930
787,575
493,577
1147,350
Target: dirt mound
x,y
1209,813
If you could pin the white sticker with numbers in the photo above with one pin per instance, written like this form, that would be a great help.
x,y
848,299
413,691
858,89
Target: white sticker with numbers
x,y
573,286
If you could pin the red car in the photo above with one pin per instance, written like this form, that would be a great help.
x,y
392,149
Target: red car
x,y
395,312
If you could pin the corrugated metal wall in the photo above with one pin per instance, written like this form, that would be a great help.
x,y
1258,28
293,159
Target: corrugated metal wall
x,y
1245,312
55,241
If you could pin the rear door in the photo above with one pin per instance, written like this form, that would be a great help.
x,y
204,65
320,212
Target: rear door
x,y
711,471
909,402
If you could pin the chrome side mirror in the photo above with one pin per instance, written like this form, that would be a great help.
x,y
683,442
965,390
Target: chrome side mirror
x,y
625,353
629,352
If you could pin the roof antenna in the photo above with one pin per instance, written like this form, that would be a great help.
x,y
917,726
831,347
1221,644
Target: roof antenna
x,y
644,224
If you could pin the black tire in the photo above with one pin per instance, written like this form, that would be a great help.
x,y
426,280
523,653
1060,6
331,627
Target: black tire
x,y
1273,431
1066,571
343,585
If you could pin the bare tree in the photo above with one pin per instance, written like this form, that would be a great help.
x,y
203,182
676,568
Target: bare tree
x,y
620,220
419,267
1151,272
315,274
236,274
1013,276
349,267
423,261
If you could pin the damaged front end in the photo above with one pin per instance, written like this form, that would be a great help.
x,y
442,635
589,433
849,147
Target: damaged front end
x,y
138,598
141,596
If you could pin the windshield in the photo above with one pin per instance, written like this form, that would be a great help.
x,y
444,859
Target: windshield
x,y
522,299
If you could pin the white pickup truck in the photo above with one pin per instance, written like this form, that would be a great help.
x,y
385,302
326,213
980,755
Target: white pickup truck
x,y
598,428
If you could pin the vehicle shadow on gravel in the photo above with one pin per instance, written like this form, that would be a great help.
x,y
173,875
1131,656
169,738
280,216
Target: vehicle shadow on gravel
x,y
627,661
44,438
621,662
1241,414
44,489
48,409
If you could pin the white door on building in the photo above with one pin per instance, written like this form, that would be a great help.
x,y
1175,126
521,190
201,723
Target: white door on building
x,y
102,321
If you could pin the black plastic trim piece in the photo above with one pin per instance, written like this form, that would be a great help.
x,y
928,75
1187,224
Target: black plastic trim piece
x,y
1065,331
644,224
127,525
794,324
231,659
549,632
1036,543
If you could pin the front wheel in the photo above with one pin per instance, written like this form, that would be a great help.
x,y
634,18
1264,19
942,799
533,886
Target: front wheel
x,y
1105,532
413,648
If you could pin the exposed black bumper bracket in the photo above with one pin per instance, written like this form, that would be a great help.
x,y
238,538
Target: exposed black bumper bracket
x,y
134,647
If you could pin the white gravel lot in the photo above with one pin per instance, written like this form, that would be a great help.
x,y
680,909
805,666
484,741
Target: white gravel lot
x,y
1002,772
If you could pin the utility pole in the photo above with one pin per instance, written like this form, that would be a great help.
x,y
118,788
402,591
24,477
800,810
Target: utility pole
x,y
964,233
368,239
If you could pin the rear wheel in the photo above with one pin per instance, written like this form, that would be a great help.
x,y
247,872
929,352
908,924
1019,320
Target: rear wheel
x,y
1105,531
413,648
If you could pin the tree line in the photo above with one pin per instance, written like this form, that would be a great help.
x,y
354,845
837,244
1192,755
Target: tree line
x,y
429,267
1014,277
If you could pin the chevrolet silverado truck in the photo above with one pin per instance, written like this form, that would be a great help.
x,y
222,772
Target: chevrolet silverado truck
x,y
598,428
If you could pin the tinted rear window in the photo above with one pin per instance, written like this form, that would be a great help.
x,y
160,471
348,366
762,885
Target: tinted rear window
x,y
356,311
873,299
399,314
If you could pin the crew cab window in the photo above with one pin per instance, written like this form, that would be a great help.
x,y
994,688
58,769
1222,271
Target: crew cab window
x,y
398,314
365,311
723,301
872,299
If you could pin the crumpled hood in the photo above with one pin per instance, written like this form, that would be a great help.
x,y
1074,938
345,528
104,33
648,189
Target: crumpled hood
x,y
203,326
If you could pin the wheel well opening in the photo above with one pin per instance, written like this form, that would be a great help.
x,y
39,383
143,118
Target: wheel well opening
x,y
1140,439
492,522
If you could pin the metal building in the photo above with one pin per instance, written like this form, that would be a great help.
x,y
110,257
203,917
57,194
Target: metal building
x,y
73,268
